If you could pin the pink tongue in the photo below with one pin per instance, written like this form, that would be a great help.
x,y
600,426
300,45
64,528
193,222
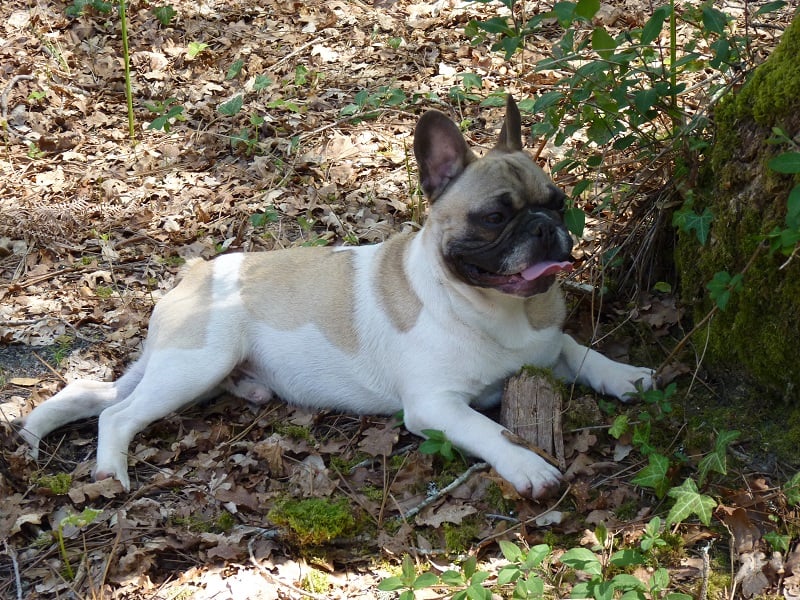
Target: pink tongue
x,y
545,268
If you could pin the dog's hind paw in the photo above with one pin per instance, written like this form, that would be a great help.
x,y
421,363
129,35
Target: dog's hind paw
x,y
32,439
118,472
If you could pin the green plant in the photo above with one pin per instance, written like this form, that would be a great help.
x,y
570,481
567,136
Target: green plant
x,y
80,7
34,152
195,49
79,521
469,579
168,112
786,239
522,569
164,14
269,215
408,580
599,572
63,347
367,104
438,444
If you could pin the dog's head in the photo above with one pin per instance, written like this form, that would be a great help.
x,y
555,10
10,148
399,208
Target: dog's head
x,y
499,218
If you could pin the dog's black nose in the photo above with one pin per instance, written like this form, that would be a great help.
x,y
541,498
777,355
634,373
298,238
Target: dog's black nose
x,y
542,228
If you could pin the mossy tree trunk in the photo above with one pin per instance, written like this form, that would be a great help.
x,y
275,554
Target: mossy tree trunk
x,y
758,334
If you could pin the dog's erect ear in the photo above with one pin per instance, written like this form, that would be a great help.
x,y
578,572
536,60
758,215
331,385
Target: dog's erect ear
x,y
442,152
511,133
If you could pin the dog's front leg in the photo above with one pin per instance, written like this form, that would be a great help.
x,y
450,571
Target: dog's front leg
x,y
479,436
588,367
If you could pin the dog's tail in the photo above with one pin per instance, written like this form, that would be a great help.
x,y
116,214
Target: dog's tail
x,y
79,400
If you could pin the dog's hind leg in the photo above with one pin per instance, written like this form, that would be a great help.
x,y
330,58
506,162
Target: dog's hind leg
x,y
78,400
174,378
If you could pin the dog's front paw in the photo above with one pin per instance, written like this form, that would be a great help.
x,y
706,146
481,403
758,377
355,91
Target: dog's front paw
x,y
530,474
626,381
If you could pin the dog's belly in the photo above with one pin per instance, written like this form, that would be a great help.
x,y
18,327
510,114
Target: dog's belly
x,y
302,367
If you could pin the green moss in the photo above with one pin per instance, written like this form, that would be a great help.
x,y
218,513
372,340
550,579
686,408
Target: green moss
x,y
225,522
498,502
58,484
459,538
314,521
758,331
771,94
373,493
199,523
296,432
316,582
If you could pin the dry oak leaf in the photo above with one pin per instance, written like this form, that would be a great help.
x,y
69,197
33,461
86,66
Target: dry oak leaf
x,y
379,441
448,513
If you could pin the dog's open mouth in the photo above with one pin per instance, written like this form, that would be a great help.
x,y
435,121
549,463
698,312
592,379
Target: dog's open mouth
x,y
535,279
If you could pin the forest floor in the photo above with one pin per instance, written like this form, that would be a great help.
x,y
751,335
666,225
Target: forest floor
x,y
265,154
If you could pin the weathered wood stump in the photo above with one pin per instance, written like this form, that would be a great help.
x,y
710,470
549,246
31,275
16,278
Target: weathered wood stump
x,y
531,411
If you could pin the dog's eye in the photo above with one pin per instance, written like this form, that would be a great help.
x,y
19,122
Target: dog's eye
x,y
494,218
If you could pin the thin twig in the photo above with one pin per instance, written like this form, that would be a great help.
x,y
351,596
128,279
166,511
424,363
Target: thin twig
x,y
519,524
48,367
12,554
703,593
445,490
7,90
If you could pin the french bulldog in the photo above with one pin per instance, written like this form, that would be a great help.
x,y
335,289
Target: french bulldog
x,y
430,323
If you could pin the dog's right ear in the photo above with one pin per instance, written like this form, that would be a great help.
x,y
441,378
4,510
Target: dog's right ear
x,y
442,153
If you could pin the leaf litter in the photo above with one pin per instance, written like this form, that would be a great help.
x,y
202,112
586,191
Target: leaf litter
x,y
93,231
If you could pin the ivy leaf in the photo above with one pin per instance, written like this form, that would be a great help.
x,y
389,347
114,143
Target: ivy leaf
x,y
195,48
232,106
234,70
644,100
687,220
471,81
261,82
717,460
792,490
654,475
689,501
722,286
619,426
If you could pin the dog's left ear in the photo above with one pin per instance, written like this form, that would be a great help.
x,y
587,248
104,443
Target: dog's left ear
x,y
511,133
442,153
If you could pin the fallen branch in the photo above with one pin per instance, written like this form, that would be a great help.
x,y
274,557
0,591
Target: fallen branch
x,y
446,490
7,90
